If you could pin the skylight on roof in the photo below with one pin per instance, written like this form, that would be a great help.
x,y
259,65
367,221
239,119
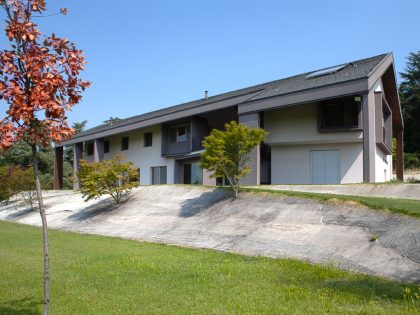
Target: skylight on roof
x,y
326,71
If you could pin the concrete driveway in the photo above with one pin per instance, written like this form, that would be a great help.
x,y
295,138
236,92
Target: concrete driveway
x,y
254,224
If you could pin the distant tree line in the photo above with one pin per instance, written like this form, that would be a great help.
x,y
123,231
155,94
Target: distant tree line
x,y
409,91
19,158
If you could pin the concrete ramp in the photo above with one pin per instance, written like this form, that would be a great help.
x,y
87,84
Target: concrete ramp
x,y
253,224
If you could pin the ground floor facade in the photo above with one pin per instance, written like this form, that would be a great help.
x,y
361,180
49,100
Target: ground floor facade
x,y
276,162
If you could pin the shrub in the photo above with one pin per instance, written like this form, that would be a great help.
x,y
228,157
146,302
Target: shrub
x,y
411,160
112,177
413,180
227,153
15,180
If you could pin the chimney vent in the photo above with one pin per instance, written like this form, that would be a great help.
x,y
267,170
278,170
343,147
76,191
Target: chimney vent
x,y
206,94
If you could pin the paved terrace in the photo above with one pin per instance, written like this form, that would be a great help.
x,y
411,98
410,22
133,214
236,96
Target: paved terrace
x,y
404,191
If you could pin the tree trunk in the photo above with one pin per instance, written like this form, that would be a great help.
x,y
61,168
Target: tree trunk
x,y
236,188
44,231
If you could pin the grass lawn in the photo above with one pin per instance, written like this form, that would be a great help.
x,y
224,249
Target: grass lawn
x,y
404,206
103,275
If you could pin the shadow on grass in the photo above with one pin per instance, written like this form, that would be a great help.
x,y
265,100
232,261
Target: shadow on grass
x,y
99,208
194,206
23,306
368,288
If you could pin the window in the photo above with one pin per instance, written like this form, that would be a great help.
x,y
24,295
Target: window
x,y
341,114
192,173
90,149
148,139
326,71
221,181
106,146
333,116
158,175
180,134
124,143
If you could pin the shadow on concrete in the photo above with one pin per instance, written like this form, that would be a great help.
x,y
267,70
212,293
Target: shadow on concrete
x,y
194,206
102,207
23,306
23,212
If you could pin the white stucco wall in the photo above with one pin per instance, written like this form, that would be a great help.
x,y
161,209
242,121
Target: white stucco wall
x,y
378,87
299,125
207,179
292,165
142,157
293,133
383,166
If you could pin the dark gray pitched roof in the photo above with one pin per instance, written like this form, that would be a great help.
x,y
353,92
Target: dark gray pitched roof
x,y
175,108
352,71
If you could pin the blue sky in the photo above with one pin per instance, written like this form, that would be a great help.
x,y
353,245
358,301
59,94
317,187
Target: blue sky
x,y
146,55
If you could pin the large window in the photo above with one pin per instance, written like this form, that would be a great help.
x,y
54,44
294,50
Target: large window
x,y
158,175
124,143
339,114
180,134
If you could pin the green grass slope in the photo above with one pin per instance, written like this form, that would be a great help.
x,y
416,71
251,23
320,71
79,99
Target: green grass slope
x,y
103,275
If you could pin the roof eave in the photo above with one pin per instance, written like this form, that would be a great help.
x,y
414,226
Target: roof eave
x,y
182,113
387,68
304,96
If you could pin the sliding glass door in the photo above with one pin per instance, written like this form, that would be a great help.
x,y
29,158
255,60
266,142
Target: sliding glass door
x,y
192,173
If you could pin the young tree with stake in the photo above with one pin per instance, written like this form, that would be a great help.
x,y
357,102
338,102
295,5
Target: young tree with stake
x,y
39,81
227,153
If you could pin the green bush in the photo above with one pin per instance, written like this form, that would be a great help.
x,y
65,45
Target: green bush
x,y
15,180
112,177
411,160
227,153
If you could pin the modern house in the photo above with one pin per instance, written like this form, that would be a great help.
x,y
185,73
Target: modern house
x,y
329,126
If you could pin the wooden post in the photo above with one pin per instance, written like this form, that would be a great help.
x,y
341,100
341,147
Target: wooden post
x,y
253,178
58,168
369,141
98,150
78,154
400,154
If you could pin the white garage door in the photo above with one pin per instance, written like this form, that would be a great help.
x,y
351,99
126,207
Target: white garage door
x,y
325,167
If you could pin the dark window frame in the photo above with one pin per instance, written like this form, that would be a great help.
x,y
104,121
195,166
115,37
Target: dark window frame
x,y
336,104
148,139
125,143
106,146
162,174
90,149
186,128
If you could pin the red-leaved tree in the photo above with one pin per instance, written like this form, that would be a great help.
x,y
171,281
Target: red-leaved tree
x,y
39,82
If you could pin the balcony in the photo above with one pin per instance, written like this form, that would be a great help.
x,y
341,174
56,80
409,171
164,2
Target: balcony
x,y
177,148
183,137
383,122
